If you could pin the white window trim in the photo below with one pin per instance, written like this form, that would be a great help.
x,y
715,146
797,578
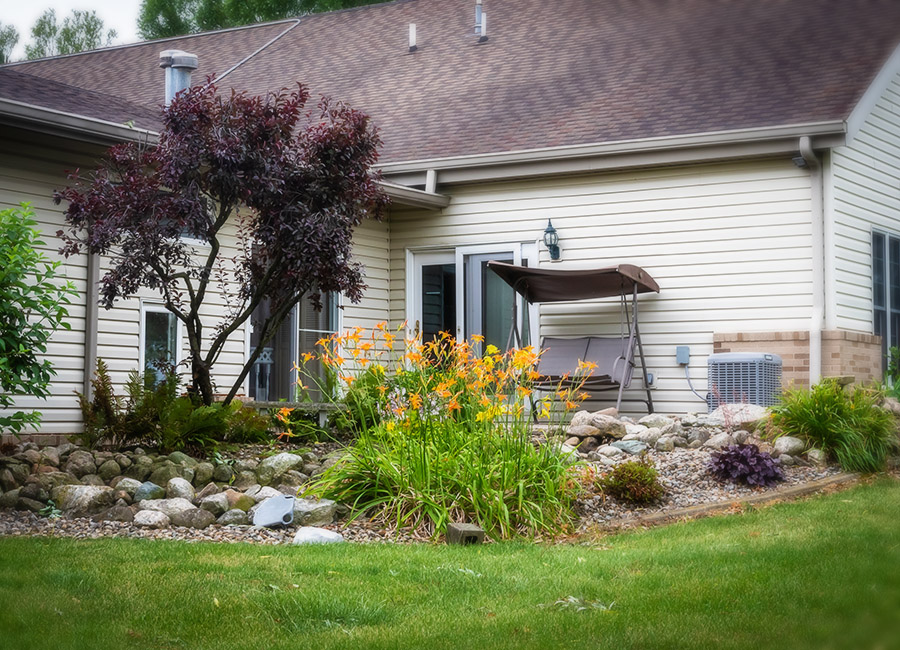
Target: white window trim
x,y
154,306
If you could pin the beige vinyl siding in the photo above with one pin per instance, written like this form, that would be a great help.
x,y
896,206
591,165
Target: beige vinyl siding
x,y
866,196
371,248
31,168
729,244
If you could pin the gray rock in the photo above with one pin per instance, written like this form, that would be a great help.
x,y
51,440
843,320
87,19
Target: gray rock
x,y
649,435
20,472
10,498
92,479
696,444
65,449
293,478
117,513
7,480
312,512
148,490
245,479
167,506
634,429
164,473
789,445
588,445
32,456
238,501
656,420
672,429
223,473
719,441
50,480
787,460
109,470
140,469
245,465
203,473
50,456
311,468
34,490
262,493
217,504
82,500
233,518
679,441
581,418
700,434
179,458
196,518
129,485
817,457
608,426
273,467
740,437
24,503
609,451
632,447
123,460
312,535
179,488
583,431
211,488
665,444
81,463
151,519
743,416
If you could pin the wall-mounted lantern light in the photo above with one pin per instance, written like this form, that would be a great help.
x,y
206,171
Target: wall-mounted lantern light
x,y
551,240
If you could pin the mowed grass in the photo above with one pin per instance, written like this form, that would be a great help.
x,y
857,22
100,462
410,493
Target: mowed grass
x,y
823,573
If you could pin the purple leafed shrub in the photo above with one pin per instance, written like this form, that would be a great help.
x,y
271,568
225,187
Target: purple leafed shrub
x,y
745,464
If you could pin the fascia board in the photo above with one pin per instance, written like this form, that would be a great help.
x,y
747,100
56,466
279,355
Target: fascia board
x,y
873,93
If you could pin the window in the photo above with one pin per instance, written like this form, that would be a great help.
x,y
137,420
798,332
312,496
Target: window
x,y
274,376
886,289
160,340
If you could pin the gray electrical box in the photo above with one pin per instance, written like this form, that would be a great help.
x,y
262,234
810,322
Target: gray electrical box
x,y
683,355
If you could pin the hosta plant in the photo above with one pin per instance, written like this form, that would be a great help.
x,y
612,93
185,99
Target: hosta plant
x,y
745,464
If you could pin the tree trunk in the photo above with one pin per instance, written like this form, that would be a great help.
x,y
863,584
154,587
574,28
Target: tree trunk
x,y
201,381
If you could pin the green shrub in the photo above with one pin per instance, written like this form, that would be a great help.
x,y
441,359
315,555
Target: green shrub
x,y
849,425
32,306
187,426
635,481
246,425
364,402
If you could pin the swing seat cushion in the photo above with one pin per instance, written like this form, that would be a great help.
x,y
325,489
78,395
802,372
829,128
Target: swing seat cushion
x,y
612,356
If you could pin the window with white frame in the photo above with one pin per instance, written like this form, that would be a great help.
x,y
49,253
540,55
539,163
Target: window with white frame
x,y
886,289
160,339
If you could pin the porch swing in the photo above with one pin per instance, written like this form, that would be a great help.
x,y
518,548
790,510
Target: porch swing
x,y
560,357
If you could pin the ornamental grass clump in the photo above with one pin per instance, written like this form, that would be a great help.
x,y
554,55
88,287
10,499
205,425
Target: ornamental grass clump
x,y
451,441
848,425
745,464
635,481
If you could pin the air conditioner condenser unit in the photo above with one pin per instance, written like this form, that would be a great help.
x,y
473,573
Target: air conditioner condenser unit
x,y
743,377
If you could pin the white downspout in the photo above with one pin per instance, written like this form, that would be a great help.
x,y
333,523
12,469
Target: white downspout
x,y
817,214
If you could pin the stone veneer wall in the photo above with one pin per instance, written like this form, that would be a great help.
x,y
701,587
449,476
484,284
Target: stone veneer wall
x,y
844,353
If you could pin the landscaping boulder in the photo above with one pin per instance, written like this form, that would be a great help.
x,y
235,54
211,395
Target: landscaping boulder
x,y
633,447
203,473
210,488
245,479
34,490
81,463
196,518
581,418
787,460
588,445
165,472
233,518
109,470
10,498
665,444
180,458
608,426
129,485
744,416
117,513
261,493
719,441
140,469
656,420
609,451
92,479
148,490
789,445
217,504
583,431
313,512
273,467
167,506
24,503
179,488
223,473
312,535
246,465
7,480
151,519
82,500
50,456
239,501
817,457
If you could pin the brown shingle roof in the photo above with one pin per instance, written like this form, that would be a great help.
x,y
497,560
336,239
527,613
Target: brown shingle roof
x,y
554,72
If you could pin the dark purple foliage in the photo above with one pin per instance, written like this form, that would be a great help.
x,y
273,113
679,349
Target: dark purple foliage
x,y
291,183
745,464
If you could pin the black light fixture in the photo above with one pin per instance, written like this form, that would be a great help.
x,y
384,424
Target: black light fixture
x,y
551,240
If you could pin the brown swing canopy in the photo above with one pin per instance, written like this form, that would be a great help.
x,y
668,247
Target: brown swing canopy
x,y
552,285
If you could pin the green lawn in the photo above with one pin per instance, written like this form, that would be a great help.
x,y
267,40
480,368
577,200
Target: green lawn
x,y
824,573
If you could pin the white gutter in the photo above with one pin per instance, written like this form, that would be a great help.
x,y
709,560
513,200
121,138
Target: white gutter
x,y
737,136
413,197
817,214
48,120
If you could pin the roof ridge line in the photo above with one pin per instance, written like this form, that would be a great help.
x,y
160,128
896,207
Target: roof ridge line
x,y
123,46
247,58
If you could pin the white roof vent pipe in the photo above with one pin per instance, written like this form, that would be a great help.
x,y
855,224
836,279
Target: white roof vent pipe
x,y
412,38
478,10
178,66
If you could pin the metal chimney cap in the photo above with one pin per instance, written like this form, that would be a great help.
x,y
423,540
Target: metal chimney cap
x,y
178,59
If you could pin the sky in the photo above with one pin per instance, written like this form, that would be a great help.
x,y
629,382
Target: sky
x,y
120,15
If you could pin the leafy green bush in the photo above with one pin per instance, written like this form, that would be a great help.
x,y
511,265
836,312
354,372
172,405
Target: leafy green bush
x,y
635,481
32,306
246,425
187,426
849,425
364,402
